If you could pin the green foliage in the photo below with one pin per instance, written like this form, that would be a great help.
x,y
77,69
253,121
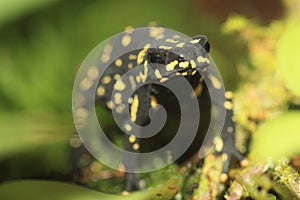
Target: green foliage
x,y
48,190
288,57
277,138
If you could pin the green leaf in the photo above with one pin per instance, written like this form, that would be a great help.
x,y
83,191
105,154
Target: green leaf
x,y
49,190
20,132
10,9
277,138
288,49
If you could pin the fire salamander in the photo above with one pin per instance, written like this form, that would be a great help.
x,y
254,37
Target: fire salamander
x,y
174,56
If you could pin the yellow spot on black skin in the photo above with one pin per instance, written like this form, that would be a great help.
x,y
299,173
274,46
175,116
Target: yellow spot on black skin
x,y
194,72
100,91
120,108
163,80
157,73
202,59
126,39
193,64
216,83
118,98
228,105
130,100
228,94
184,73
181,44
171,41
195,41
142,53
132,139
198,90
106,80
155,31
110,105
184,64
106,53
130,65
132,82
218,144
92,73
119,85
134,108
171,65
117,76
153,101
128,128
85,84
229,129
165,47
136,146
132,57
118,62
82,112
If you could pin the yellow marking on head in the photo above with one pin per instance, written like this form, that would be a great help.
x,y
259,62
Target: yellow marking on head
x,y
106,79
157,73
118,98
228,105
110,104
165,47
229,129
132,57
117,76
126,39
132,139
163,80
181,44
195,41
216,83
228,94
218,143
171,65
201,59
224,157
100,91
176,36
93,73
119,85
130,65
136,146
193,64
132,82
134,108
194,72
141,54
118,62
85,84
184,73
155,31
128,128
161,36
184,64
129,29
172,41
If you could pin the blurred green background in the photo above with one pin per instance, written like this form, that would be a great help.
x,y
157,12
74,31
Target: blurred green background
x,y
42,44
